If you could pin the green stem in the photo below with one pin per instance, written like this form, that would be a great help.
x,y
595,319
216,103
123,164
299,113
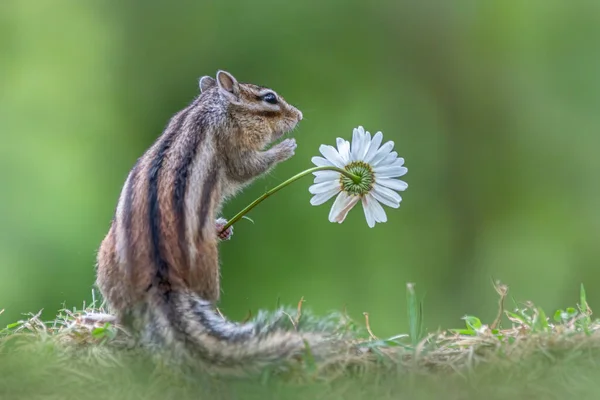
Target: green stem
x,y
294,178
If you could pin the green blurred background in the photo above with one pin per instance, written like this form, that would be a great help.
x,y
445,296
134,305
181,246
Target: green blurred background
x,y
493,104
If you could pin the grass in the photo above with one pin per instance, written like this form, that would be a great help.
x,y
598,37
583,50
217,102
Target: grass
x,y
535,355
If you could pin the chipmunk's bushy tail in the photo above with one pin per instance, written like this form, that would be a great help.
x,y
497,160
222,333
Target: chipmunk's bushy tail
x,y
183,321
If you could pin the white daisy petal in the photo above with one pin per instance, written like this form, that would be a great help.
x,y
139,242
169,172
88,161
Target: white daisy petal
x,y
366,145
344,149
323,176
397,163
321,162
341,206
384,200
323,187
378,211
395,184
373,147
369,215
363,144
354,144
392,199
389,159
331,154
321,198
382,153
370,210
389,171
357,143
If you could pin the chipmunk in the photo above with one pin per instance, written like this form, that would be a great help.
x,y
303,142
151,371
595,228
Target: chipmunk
x,y
158,266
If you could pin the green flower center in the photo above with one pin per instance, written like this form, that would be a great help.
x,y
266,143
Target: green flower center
x,y
364,184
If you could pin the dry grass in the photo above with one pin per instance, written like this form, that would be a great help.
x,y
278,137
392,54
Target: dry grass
x,y
82,351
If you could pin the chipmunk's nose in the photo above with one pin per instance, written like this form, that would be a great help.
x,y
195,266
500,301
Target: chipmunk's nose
x,y
299,115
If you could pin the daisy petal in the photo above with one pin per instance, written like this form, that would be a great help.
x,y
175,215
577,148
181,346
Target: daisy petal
x,y
331,154
373,211
397,163
385,200
379,212
389,171
363,144
344,149
373,147
389,159
395,184
387,196
341,206
382,153
322,176
357,143
321,162
323,187
367,144
368,213
321,198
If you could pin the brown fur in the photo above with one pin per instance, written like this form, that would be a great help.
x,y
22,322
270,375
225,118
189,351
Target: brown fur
x,y
159,262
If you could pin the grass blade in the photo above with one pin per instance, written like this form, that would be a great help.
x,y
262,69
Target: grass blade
x,y
415,313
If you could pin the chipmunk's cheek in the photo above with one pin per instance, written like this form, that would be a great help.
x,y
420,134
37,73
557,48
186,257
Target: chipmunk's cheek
x,y
277,130
291,123
276,134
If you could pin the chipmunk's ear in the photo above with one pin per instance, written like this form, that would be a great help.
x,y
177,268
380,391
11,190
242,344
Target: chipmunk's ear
x,y
228,84
206,82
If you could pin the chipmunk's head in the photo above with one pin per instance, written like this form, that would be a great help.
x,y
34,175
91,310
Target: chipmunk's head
x,y
261,115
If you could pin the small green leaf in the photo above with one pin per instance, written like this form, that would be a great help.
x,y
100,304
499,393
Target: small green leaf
x,y
473,322
99,333
558,315
571,312
542,320
13,325
104,332
585,310
582,300
468,332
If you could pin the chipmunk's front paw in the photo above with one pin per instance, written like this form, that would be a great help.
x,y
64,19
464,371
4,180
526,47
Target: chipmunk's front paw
x,y
227,233
285,149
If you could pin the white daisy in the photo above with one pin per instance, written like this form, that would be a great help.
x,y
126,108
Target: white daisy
x,y
374,165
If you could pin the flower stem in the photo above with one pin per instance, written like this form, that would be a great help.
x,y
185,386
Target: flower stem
x,y
294,178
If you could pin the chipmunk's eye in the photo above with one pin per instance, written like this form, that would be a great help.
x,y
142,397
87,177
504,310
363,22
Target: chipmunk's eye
x,y
270,98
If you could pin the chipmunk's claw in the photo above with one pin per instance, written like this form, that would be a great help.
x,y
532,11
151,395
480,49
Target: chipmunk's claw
x,y
227,233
